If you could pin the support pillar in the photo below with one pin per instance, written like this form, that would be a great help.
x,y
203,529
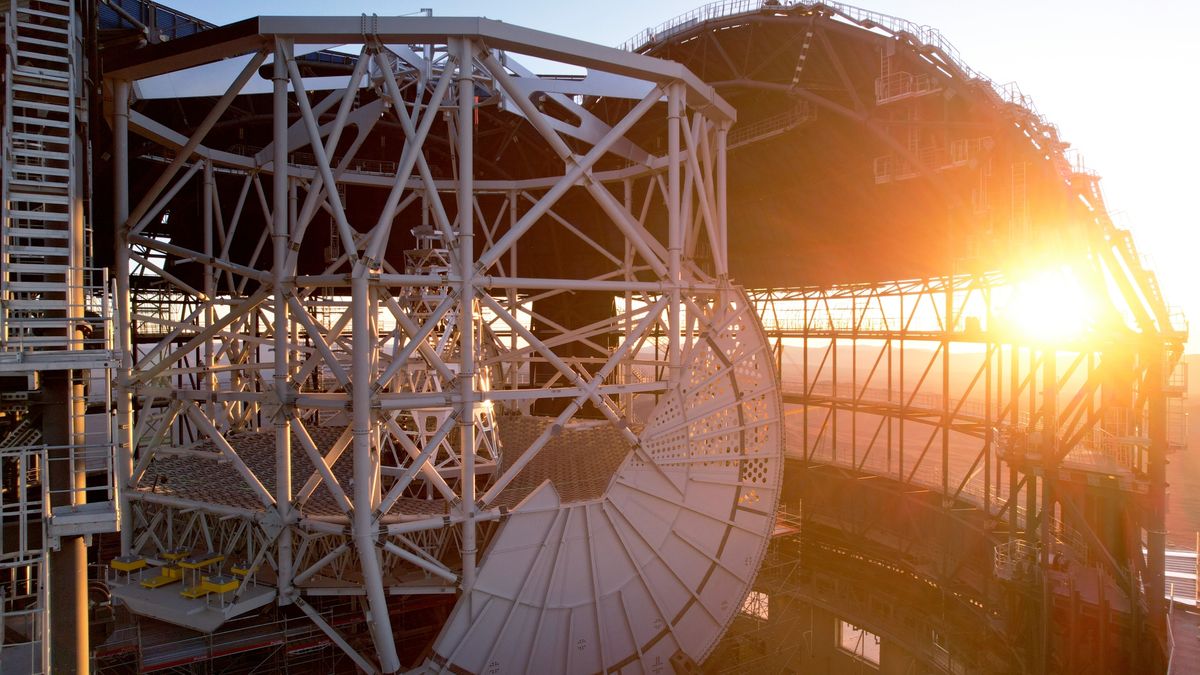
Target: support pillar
x,y
723,197
366,467
466,321
123,342
1156,525
674,227
67,587
279,241
63,412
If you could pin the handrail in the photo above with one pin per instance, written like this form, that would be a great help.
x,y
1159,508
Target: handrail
x,y
1170,629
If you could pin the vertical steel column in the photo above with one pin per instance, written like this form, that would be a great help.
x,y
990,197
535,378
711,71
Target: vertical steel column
x,y
1014,417
627,305
465,126
209,288
674,226
512,292
122,323
279,242
294,328
805,383
723,198
902,329
833,402
1156,525
366,467
946,334
853,380
1049,452
67,587
62,431
366,495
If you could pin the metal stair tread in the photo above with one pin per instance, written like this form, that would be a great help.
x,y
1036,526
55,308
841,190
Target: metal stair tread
x,y
36,250
38,198
40,169
48,29
27,182
31,340
41,105
36,233
42,154
45,269
41,138
39,304
36,286
24,70
42,91
63,45
38,121
39,215
42,13
39,56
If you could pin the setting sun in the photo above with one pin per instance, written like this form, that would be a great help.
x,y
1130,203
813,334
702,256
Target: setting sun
x,y
1049,305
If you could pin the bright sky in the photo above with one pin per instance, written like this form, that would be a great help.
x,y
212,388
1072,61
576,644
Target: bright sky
x,y
1117,78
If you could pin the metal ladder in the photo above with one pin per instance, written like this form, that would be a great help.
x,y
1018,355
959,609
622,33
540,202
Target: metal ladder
x,y
36,246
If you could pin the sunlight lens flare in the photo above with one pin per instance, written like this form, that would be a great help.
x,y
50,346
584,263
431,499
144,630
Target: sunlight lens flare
x,y
1051,305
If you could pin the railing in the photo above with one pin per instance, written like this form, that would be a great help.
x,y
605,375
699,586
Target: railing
x,y
381,167
22,501
227,642
1010,555
920,401
93,458
922,35
50,332
772,126
1170,631
797,321
925,475
1100,450
901,85
22,613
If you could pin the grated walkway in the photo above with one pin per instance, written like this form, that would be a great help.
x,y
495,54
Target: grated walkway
x,y
1185,627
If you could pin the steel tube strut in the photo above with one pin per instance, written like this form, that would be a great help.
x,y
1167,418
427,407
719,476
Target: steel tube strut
x,y
124,421
466,319
279,241
366,469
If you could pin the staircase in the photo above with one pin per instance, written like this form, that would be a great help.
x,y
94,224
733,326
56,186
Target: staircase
x,y
27,433
36,242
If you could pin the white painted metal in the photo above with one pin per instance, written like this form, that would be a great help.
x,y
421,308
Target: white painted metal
x,y
662,561
54,316
418,437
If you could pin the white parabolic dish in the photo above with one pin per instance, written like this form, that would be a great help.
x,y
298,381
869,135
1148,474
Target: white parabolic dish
x,y
657,566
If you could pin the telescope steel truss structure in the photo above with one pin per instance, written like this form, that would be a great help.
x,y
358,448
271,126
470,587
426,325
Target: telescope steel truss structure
x,y
923,382
225,444
342,432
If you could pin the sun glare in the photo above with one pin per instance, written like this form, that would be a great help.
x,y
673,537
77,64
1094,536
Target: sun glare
x,y
1050,306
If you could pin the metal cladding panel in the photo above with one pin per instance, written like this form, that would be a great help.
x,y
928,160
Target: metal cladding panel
x,y
662,561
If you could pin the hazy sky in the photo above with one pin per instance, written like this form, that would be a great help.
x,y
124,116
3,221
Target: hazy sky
x,y
1117,78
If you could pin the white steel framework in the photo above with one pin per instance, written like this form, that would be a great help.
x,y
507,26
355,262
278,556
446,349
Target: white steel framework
x,y
367,430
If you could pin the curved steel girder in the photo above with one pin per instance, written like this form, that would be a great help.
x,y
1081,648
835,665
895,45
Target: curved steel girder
x,y
865,120
974,427
954,511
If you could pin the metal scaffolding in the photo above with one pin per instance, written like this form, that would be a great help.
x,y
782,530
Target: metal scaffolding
x,y
364,430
